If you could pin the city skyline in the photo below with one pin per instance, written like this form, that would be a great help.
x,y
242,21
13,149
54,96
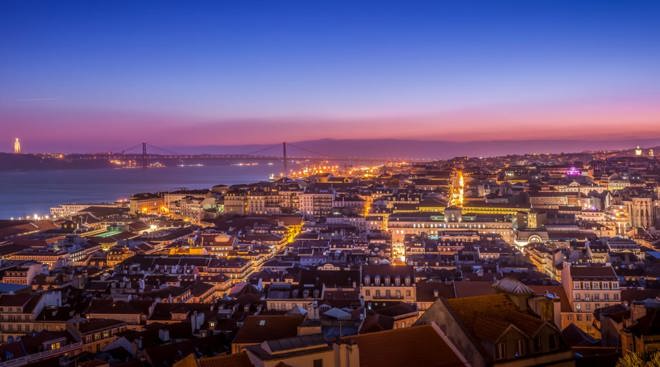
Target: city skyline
x,y
100,76
313,183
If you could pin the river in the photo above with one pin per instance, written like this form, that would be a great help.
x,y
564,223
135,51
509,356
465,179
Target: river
x,y
35,192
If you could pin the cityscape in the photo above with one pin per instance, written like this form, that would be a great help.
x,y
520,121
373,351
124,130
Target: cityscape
x,y
329,184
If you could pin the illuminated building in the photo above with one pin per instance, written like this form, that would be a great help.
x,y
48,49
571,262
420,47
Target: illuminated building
x,y
640,211
69,209
457,188
19,313
402,224
588,287
552,200
432,204
481,207
638,151
545,259
314,203
17,146
615,183
146,203
388,283
117,255
398,252
254,200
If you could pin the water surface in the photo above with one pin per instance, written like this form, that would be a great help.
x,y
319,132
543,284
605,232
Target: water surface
x,y
34,192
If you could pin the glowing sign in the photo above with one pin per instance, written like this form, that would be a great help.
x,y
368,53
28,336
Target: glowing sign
x,y
573,171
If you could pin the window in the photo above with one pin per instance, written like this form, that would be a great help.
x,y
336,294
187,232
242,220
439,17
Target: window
x,y
520,347
408,293
318,363
552,341
501,351
367,293
576,285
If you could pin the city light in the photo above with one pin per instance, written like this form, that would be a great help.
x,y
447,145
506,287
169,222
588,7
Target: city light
x,y
278,183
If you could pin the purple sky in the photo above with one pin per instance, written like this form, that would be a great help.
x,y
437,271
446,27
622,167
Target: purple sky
x,y
100,76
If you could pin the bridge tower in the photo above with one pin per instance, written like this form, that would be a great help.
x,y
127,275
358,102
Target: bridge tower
x,y
145,162
284,160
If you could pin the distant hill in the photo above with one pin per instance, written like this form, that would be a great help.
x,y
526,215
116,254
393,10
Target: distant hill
x,y
346,148
426,149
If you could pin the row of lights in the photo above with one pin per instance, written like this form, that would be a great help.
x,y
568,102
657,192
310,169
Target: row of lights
x,y
35,217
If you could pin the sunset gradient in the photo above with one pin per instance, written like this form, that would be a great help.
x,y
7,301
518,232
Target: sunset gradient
x,y
101,75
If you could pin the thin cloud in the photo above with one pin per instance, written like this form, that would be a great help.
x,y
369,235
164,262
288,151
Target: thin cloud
x,y
36,99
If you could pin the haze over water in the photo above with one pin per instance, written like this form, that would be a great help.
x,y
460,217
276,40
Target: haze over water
x,y
34,192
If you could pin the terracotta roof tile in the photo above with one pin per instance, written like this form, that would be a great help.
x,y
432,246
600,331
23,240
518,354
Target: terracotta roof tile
x,y
414,346
231,360
256,329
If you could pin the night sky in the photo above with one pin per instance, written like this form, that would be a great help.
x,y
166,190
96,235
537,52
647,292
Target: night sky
x,y
101,75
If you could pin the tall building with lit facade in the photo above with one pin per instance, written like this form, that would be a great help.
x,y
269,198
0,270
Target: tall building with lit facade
x,y
588,288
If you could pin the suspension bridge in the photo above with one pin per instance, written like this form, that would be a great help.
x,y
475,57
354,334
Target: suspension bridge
x,y
146,153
